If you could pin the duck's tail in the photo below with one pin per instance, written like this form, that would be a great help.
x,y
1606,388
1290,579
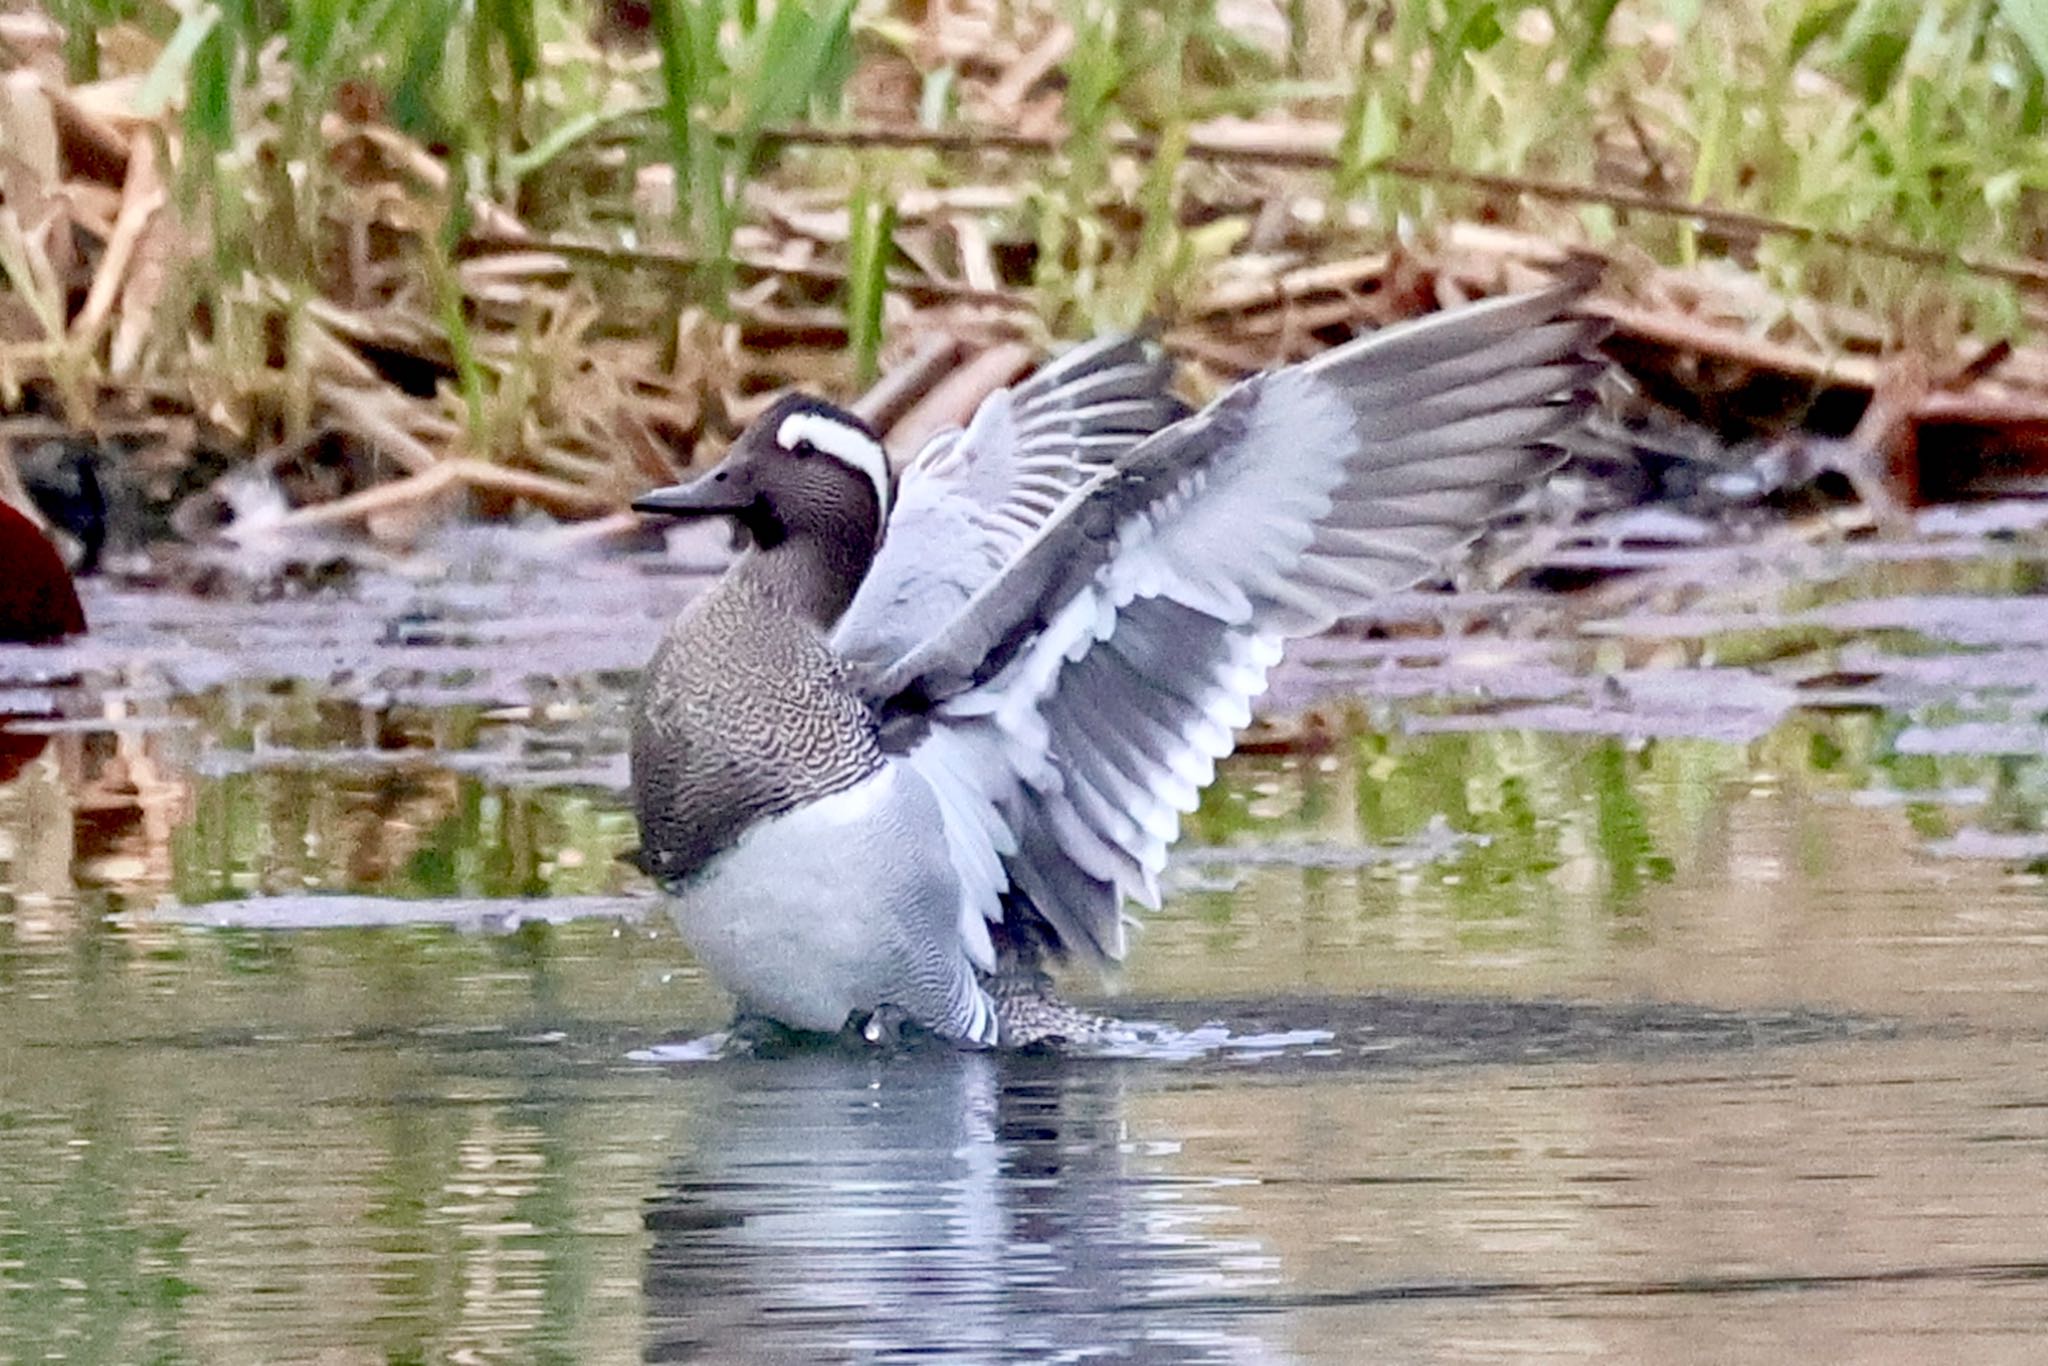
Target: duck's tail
x,y
1030,1014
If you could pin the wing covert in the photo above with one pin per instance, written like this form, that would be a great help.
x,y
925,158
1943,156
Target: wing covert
x,y
971,497
1079,696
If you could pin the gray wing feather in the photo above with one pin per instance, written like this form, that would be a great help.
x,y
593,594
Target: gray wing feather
x,y
970,498
966,502
1083,691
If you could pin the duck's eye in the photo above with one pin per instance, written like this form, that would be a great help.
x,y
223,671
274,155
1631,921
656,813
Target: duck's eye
x,y
803,449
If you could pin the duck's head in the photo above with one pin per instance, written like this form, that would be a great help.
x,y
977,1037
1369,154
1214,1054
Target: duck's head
x,y
806,470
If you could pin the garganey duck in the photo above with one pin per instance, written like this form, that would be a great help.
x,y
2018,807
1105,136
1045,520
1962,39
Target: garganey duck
x,y
931,732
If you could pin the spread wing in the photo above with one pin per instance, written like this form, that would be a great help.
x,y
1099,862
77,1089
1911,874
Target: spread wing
x,y
1077,699
971,499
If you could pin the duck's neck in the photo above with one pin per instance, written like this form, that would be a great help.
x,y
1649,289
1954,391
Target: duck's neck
x,y
814,576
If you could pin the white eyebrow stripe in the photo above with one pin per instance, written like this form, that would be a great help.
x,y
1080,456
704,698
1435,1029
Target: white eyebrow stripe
x,y
848,445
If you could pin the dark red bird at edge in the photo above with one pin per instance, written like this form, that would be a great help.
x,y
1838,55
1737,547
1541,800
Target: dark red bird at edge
x,y
37,602
37,605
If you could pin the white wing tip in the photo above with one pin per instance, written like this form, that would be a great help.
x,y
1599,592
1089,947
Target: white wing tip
x,y
981,950
984,1026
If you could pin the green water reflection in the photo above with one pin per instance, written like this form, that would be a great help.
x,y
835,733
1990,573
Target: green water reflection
x,y
223,1141
420,1144
1528,803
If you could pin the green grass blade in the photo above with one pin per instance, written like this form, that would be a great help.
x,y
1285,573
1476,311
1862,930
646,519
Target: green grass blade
x,y
681,89
427,27
2029,20
568,134
210,101
174,64
792,62
82,21
873,232
1593,42
510,23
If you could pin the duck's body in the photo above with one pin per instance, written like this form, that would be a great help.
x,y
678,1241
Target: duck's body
x,y
921,739
38,603
766,799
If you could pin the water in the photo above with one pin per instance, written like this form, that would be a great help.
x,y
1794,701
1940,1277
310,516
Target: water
x,y
1659,978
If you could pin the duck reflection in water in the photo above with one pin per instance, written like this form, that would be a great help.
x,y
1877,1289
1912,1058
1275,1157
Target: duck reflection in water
x,y
942,1205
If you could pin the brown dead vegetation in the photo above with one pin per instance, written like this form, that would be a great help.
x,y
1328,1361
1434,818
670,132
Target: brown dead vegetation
x,y
580,372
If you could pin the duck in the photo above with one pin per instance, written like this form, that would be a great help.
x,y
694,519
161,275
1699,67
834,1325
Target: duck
x,y
38,606
934,730
38,602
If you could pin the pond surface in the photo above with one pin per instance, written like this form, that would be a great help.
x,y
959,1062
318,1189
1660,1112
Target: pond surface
x,y
1656,975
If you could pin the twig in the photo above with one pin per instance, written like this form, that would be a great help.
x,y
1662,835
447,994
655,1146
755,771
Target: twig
x,y
1031,68
425,167
1983,410
894,394
141,196
1322,156
372,502
1981,366
676,260
1236,296
950,403
93,146
558,496
1288,325
447,476
355,411
1685,333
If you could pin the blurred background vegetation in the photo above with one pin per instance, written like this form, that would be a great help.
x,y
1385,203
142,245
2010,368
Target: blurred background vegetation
x,y
574,235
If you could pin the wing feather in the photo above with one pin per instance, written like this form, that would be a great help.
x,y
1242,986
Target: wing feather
x,y
971,499
1149,566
